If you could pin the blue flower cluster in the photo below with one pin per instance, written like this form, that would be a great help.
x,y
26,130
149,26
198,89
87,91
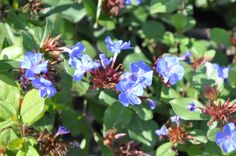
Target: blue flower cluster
x,y
34,67
81,62
227,139
133,83
170,69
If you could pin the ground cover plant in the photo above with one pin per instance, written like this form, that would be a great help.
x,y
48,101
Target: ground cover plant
x,y
117,77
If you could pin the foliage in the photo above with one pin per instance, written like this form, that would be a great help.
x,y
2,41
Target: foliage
x,y
82,75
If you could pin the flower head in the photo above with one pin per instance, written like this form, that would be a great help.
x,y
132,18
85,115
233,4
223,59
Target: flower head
x,y
162,132
152,104
82,65
117,46
170,69
129,92
227,138
175,119
140,72
45,87
192,107
186,57
75,53
33,64
223,72
61,131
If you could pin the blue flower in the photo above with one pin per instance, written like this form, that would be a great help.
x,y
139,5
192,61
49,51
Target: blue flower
x,y
186,57
170,69
117,46
45,87
175,119
162,132
142,72
82,65
152,104
227,139
33,64
129,92
128,2
75,53
139,2
104,61
192,107
61,131
223,72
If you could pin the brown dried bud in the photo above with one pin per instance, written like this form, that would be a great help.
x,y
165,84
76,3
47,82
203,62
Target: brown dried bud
x,y
51,44
110,136
112,7
210,93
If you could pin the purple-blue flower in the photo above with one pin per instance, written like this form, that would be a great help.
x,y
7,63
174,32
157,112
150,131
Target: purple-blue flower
x,y
152,104
142,73
128,2
116,46
175,119
82,65
33,64
163,131
105,61
192,107
223,72
44,86
61,131
170,69
227,139
75,53
129,92
186,57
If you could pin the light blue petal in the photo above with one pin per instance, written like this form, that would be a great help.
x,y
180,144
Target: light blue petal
x,y
123,99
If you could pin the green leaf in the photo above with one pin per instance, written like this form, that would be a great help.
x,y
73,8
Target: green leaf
x,y
169,94
7,123
220,36
211,134
165,150
143,112
28,41
47,30
16,144
117,116
105,150
199,135
89,49
232,76
179,21
9,98
6,136
90,7
32,107
14,52
163,6
71,120
108,97
143,131
207,75
179,106
156,33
